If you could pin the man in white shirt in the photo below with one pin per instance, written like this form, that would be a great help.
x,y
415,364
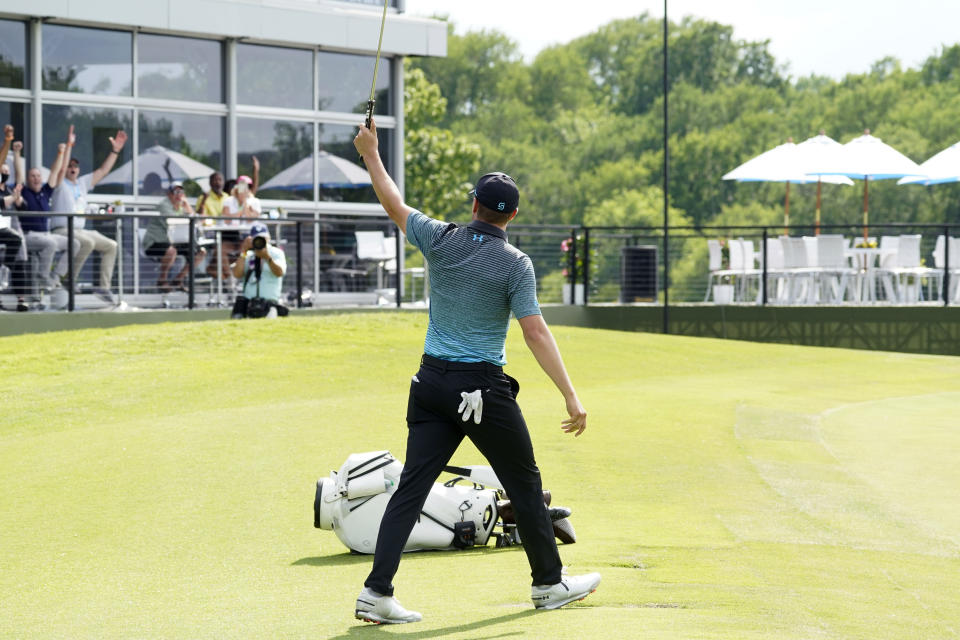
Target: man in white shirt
x,y
70,196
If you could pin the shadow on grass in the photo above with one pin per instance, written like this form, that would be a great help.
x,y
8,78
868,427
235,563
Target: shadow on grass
x,y
346,559
367,630
339,560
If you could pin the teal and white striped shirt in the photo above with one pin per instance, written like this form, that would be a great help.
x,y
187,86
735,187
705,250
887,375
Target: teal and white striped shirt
x,y
477,279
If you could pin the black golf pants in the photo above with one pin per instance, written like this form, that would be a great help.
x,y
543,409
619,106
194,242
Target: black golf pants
x,y
435,430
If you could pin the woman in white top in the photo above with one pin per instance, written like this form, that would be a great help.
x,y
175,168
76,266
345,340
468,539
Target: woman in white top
x,y
241,204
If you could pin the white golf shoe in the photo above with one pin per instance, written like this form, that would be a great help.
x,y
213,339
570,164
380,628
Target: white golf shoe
x,y
383,609
569,589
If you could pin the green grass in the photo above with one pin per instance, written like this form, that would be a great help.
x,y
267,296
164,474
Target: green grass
x,y
157,482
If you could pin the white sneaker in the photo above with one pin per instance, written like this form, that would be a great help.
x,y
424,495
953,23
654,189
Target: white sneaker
x,y
383,609
569,589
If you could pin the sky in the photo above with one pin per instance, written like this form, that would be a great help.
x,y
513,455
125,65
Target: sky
x,y
825,37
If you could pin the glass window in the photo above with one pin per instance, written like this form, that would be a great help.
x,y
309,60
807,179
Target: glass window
x,y
285,151
343,177
274,76
15,113
180,147
87,60
13,54
344,81
174,68
94,127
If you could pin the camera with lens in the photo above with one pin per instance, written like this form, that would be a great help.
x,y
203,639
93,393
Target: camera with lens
x,y
259,242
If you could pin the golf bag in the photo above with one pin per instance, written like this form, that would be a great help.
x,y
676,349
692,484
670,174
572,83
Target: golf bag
x,y
352,502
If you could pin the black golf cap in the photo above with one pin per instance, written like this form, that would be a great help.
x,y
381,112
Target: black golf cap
x,y
497,191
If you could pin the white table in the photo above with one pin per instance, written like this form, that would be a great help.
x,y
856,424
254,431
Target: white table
x,y
864,260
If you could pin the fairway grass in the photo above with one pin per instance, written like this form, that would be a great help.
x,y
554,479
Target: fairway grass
x,y
157,482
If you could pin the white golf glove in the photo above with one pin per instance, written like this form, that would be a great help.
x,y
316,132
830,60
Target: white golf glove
x,y
472,403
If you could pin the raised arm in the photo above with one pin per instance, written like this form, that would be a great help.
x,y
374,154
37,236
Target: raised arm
x,y
7,141
256,176
58,163
71,140
540,341
386,189
19,172
117,143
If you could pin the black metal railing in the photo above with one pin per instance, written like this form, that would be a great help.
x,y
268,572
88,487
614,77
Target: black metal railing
x,y
575,264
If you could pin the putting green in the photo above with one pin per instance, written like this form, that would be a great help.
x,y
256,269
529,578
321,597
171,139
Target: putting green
x,y
158,482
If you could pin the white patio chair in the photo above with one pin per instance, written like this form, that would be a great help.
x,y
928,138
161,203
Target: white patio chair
x,y
777,276
743,266
901,272
715,264
834,272
374,247
801,289
938,266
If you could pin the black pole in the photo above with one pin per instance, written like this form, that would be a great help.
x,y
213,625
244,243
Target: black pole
x,y
763,283
299,264
946,266
70,284
396,261
666,181
586,265
572,281
190,258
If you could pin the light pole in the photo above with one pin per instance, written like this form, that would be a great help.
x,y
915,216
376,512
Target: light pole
x,y
666,182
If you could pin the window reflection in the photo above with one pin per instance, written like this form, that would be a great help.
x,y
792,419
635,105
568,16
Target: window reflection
x,y
175,68
176,146
344,80
13,54
87,60
342,175
93,127
274,76
16,114
285,151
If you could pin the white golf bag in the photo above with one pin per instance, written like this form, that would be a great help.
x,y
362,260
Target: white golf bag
x,y
352,502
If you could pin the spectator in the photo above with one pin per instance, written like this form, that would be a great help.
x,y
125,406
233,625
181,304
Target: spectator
x,y
156,239
210,204
262,267
36,229
71,196
232,182
12,242
242,202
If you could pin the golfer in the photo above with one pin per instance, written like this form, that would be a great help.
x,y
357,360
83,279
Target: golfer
x,y
477,279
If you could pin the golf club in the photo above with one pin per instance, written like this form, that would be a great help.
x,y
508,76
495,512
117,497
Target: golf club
x,y
376,67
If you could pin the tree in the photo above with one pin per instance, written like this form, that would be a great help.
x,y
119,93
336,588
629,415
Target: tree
x,y
438,163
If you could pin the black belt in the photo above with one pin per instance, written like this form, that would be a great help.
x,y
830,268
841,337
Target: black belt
x,y
447,365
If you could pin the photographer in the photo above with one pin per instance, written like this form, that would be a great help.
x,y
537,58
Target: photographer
x,y
261,266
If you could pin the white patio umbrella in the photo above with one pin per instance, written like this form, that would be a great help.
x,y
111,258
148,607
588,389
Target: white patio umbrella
x,y
333,172
867,158
783,163
941,168
814,152
153,160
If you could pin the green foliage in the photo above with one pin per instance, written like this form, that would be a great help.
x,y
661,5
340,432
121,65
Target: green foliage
x,y
438,163
581,126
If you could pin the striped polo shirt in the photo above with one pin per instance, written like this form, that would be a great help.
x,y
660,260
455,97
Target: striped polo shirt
x,y
476,280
